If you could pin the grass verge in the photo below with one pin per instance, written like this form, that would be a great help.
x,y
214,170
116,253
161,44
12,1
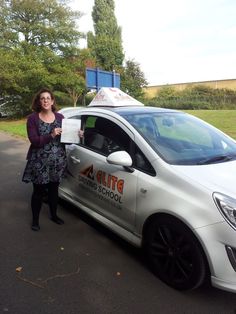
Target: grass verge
x,y
14,127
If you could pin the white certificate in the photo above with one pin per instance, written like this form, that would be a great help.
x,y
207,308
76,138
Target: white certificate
x,y
70,131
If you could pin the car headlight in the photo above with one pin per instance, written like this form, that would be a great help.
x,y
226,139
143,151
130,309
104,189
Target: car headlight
x,y
227,206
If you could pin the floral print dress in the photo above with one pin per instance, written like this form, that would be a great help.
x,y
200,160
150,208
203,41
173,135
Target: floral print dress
x,y
48,163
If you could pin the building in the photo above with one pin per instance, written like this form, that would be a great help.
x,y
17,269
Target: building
x,y
152,91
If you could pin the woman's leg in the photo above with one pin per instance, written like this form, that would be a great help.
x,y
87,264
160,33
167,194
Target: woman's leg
x,y
36,204
53,201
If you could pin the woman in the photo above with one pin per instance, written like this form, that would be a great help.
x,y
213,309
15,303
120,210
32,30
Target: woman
x,y
46,156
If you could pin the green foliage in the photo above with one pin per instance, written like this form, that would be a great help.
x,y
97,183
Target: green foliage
x,y
167,92
194,97
41,23
38,48
69,74
63,100
23,75
133,80
106,44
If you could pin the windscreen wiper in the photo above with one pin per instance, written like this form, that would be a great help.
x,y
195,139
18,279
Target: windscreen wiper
x,y
215,159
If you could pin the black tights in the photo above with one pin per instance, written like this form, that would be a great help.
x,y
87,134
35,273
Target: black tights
x,y
39,191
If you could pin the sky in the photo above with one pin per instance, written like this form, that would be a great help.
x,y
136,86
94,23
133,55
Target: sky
x,y
174,41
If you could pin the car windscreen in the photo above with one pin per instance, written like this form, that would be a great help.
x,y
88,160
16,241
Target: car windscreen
x,y
182,139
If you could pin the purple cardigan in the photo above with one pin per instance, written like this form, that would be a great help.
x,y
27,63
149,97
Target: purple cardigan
x,y
37,140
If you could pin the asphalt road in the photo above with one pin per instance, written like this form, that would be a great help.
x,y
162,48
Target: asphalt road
x,y
79,267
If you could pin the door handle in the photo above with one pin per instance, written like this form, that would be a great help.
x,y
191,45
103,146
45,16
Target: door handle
x,y
142,190
75,160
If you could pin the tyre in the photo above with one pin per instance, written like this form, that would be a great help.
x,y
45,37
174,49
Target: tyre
x,y
175,254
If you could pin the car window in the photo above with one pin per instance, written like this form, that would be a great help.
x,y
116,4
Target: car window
x,y
183,130
104,136
182,139
141,163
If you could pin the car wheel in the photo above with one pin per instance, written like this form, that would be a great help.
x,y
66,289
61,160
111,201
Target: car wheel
x,y
175,254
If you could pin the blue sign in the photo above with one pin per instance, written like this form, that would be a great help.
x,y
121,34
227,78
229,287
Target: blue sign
x,y
96,78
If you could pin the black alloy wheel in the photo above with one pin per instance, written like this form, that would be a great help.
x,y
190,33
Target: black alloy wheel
x,y
175,254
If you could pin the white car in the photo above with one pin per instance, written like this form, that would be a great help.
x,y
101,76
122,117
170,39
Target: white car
x,y
162,180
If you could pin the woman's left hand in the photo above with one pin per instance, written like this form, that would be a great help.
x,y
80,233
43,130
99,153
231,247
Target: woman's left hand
x,y
56,131
81,133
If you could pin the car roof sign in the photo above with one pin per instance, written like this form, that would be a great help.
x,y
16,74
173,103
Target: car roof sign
x,y
113,97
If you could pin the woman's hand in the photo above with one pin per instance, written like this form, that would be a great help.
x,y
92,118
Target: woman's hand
x,y
56,132
81,133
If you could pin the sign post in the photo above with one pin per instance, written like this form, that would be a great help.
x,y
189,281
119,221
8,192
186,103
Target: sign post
x,y
96,78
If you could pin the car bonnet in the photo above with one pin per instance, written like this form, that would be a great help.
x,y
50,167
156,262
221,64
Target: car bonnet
x,y
218,177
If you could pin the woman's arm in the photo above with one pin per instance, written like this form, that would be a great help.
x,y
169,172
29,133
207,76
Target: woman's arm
x,y
35,138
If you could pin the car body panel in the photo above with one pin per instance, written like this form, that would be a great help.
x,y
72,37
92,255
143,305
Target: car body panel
x,y
125,199
217,177
102,186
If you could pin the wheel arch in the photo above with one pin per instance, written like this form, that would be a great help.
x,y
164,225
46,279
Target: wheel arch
x,y
155,216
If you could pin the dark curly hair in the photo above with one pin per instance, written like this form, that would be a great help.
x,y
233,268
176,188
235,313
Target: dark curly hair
x,y
36,106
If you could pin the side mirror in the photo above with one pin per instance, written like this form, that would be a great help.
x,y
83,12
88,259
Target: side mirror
x,y
120,158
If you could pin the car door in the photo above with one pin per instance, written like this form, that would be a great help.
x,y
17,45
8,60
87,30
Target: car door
x,y
107,189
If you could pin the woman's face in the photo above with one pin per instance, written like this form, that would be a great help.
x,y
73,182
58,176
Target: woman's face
x,y
46,101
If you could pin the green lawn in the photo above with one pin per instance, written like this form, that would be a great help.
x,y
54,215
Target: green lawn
x,y
15,127
224,120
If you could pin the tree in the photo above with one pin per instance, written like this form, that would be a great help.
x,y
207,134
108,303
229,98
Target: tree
x,y
106,44
133,79
20,76
41,23
70,74
35,37
19,73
